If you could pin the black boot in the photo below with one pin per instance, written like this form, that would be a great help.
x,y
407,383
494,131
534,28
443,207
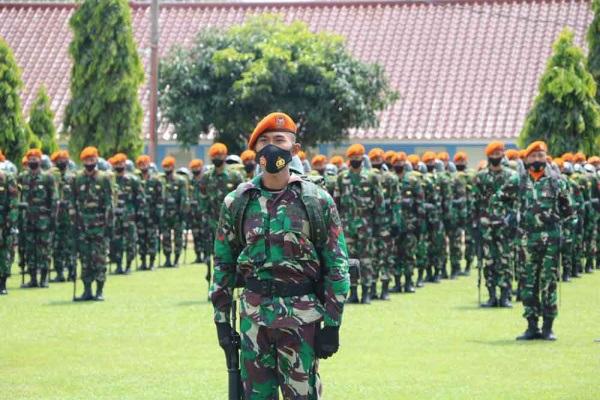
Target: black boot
x,y
143,265
59,277
444,272
566,277
437,277
151,262
385,292
420,279
33,283
429,275
532,332
198,259
408,285
397,285
128,267
505,298
119,270
99,289
455,272
3,285
467,270
71,273
365,297
493,301
167,260
44,278
353,298
87,293
374,291
176,261
547,333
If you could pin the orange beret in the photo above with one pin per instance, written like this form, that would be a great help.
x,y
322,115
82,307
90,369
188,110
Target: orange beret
x,y
460,156
559,161
376,152
248,155
111,160
494,146
594,160
567,157
318,159
196,163
522,154
217,149
33,153
142,160
389,155
442,155
168,161
579,157
428,156
24,160
355,150
512,154
88,152
54,156
413,159
2,157
302,155
392,158
337,161
401,156
119,158
549,158
538,145
274,122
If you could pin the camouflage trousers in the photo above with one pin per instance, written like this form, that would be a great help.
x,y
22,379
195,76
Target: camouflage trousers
x,y
124,239
436,249
93,250
279,358
6,253
455,234
422,250
38,248
567,246
64,248
589,242
577,266
406,248
470,245
360,247
172,229
148,237
541,274
384,248
496,256
199,232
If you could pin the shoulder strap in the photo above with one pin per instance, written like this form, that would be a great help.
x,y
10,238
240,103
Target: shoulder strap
x,y
243,193
316,219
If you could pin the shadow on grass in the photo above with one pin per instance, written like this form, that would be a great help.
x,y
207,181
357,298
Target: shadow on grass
x,y
69,302
192,303
508,342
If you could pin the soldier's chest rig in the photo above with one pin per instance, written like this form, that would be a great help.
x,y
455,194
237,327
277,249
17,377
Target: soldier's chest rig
x,y
37,193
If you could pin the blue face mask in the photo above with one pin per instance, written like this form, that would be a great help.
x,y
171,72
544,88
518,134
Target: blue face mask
x,y
273,158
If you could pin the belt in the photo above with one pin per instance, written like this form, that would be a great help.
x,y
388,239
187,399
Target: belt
x,y
271,288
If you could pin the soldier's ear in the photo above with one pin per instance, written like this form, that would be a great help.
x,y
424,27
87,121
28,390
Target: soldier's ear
x,y
296,147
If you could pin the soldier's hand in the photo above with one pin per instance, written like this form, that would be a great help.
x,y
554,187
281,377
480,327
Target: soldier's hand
x,y
224,332
327,341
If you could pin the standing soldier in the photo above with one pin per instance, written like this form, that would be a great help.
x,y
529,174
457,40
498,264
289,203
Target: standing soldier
x,y
466,176
318,163
9,214
359,196
421,230
196,220
129,209
290,251
594,161
579,185
148,225
93,218
435,228
338,161
175,203
64,241
546,202
457,222
38,191
496,245
444,179
249,159
389,157
408,206
587,181
569,225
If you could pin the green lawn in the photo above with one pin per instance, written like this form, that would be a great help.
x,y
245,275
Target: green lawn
x,y
153,338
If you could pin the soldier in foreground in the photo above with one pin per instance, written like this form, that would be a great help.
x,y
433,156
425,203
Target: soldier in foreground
x,y
9,201
291,254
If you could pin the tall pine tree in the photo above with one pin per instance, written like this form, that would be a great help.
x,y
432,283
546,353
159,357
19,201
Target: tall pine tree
x,y
565,113
13,130
41,122
104,110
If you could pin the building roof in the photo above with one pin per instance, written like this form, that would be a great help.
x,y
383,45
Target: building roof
x,y
465,69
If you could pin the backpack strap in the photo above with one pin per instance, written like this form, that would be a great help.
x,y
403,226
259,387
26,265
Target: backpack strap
x,y
316,219
243,193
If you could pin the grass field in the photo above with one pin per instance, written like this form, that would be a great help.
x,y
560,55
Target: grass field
x,y
153,338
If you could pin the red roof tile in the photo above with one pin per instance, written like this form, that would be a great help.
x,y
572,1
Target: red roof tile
x,y
465,69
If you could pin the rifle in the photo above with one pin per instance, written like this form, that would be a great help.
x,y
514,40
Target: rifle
x,y
479,246
185,245
233,359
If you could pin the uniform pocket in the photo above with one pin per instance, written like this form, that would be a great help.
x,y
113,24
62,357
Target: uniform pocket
x,y
296,246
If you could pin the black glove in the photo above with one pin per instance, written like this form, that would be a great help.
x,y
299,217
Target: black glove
x,y
327,341
224,336
395,231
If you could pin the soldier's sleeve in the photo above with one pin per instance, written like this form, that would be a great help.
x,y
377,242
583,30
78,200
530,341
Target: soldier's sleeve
x,y
53,199
159,201
223,282
13,202
140,201
565,203
109,198
334,259
183,205
378,200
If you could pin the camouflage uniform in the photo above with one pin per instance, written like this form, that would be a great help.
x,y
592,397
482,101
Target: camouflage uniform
x,y
38,191
435,239
9,201
444,183
278,333
128,210
360,202
457,222
568,228
64,240
197,220
591,221
470,249
172,223
580,186
150,217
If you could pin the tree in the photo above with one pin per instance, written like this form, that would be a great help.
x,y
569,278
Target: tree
x,y
565,113
13,132
230,79
41,122
593,39
104,110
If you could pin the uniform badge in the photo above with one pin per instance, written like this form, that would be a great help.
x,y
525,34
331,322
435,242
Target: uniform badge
x,y
262,161
280,163
279,122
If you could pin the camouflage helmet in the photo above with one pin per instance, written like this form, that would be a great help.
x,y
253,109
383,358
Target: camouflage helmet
x,y
567,168
152,168
439,166
129,166
589,168
46,164
233,159
331,169
422,167
451,167
183,171
408,167
103,165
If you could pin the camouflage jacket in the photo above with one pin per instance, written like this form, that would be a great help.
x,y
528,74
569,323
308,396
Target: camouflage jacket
x,y
278,248
408,204
131,199
433,199
175,196
485,185
153,197
214,187
93,202
64,183
38,192
444,182
9,203
462,198
389,185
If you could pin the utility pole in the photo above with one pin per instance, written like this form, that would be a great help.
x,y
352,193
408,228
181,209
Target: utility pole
x,y
154,38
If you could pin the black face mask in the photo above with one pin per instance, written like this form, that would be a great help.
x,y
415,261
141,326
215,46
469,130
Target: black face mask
x,y
169,172
33,165
250,167
217,162
321,172
495,161
430,168
398,168
356,163
378,166
537,166
144,170
390,166
526,165
90,167
61,165
119,169
196,172
274,158
461,167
